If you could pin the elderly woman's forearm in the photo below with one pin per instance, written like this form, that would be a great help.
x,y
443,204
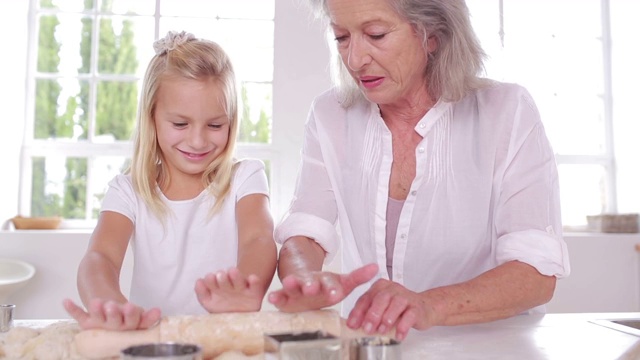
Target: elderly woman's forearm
x,y
509,289
299,255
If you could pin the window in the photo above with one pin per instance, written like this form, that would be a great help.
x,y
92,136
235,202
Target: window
x,y
563,52
87,59
576,57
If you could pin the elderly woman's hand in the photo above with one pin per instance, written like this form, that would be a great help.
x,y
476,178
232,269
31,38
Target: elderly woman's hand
x,y
316,290
387,305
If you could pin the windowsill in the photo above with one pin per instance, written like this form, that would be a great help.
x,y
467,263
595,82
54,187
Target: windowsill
x,y
86,230
47,231
72,226
25,242
597,234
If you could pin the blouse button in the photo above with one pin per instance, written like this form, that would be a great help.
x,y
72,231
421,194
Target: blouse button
x,y
422,125
414,193
403,236
421,149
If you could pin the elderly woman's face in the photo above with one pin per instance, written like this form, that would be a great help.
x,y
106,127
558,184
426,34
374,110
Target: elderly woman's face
x,y
383,53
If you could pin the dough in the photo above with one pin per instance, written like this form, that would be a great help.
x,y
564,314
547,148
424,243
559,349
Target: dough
x,y
228,336
236,355
53,342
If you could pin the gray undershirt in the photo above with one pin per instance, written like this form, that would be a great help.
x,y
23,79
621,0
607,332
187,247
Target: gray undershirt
x,y
394,207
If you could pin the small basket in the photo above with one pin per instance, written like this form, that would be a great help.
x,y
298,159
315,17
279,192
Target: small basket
x,y
614,223
36,223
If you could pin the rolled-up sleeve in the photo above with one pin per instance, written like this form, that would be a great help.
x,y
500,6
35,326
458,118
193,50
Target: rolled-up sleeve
x,y
313,210
528,220
545,251
318,229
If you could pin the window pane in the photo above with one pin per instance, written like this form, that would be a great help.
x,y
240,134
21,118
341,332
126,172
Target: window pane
x,y
256,114
116,109
67,5
561,64
48,46
60,111
126,45
241,9
626,116
574,123
142,7
485,17
243,40
246,41
59,187
59,40
201,28
582,192
104,169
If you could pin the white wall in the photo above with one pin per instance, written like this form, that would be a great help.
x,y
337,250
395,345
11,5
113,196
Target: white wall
x,y
300,73
55,255
605,275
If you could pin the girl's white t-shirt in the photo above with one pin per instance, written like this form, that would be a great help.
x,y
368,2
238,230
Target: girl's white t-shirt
x,y
171,254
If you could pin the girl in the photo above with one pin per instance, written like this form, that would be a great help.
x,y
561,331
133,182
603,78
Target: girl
x,y
186,206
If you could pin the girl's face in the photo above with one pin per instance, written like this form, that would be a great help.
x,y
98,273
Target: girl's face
x,y
191,124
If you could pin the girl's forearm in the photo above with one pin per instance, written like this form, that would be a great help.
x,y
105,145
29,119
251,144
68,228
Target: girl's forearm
x,y
98,278
259,258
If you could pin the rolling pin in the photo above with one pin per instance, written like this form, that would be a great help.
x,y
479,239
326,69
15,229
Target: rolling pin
x,y
214,333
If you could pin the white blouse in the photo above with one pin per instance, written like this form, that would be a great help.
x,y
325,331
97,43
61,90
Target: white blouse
x,y
485,192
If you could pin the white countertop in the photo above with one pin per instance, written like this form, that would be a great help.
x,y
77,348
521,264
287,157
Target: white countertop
x,y
523,337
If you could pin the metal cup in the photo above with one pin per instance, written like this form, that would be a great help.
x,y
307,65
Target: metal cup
x,y
162,351
316,345
6,317
375,348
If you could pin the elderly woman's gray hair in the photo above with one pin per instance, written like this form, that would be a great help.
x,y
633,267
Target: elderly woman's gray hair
x,y
453,69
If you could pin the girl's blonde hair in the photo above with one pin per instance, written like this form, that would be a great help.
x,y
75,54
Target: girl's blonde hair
x,y
181,54
453,69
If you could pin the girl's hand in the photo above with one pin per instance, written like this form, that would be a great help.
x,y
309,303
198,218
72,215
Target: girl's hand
x,y
387,305
111,315
229,291
317,290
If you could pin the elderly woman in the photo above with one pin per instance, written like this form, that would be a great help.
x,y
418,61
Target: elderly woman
x,y
443,184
